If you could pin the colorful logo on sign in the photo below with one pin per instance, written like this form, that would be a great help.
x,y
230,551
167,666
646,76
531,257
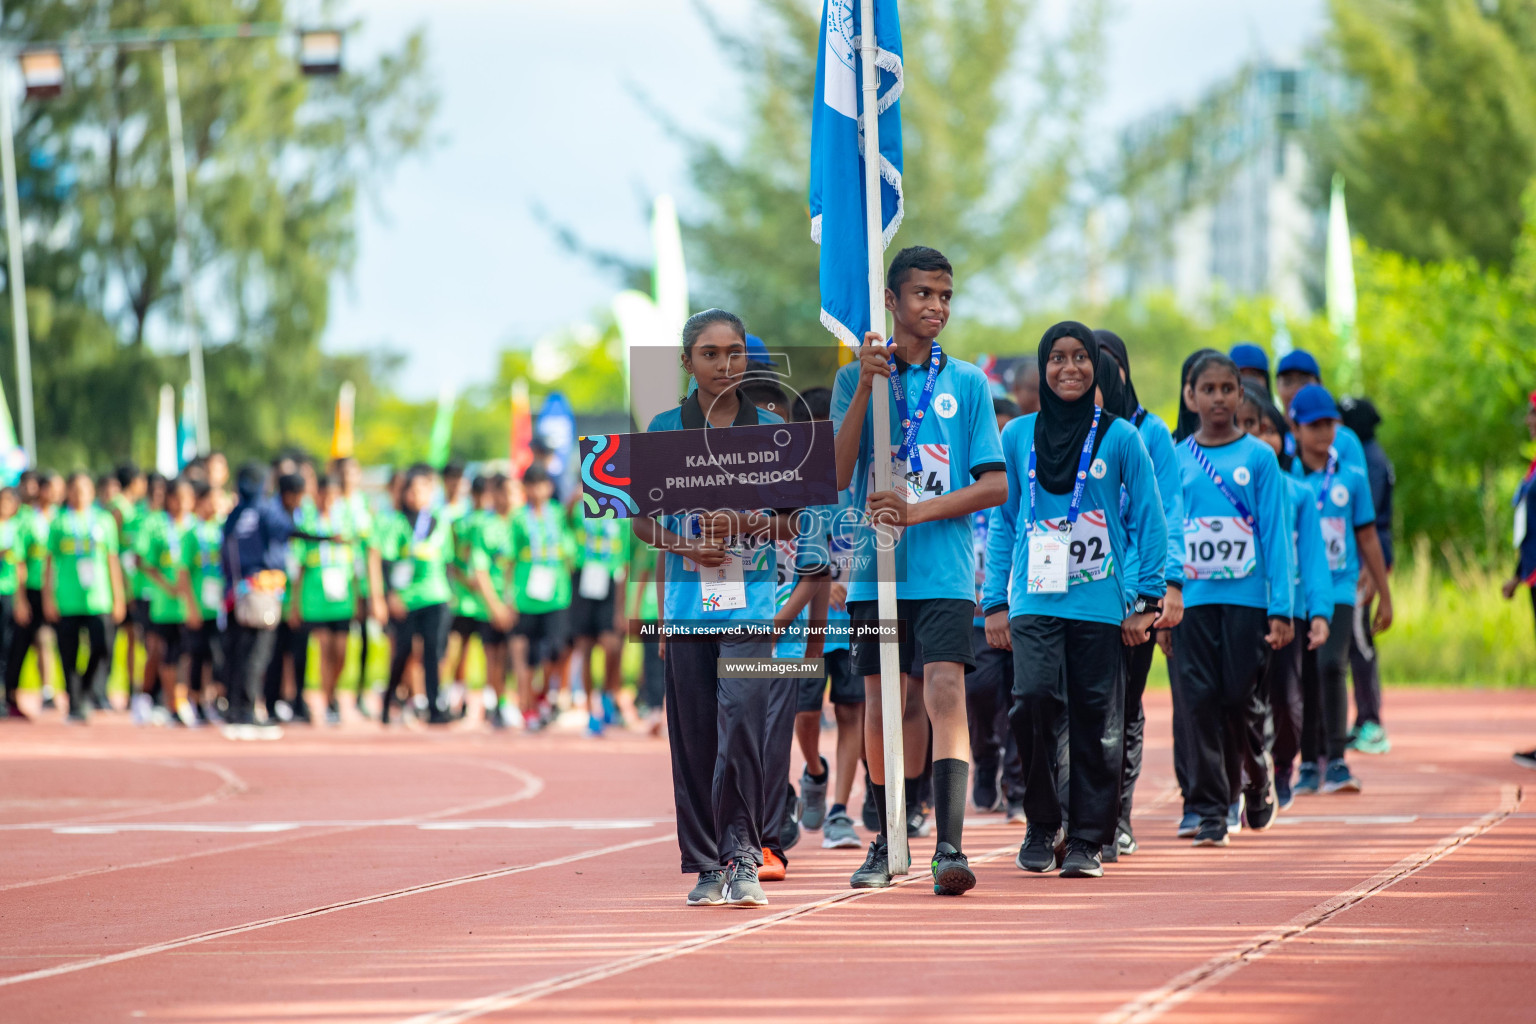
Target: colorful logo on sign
x,y
605,491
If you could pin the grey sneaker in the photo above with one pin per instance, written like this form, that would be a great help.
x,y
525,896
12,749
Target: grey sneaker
x,y
1084,859
838,833
918,825
1235,816
876,871
742,889
813,795
1038,852
710,890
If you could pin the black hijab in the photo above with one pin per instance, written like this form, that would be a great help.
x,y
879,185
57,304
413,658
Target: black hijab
x,y
1360,415
1189,420
1112,343
1062,426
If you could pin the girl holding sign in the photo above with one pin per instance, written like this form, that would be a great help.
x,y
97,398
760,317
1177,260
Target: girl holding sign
x,y
1238,568
719,579
1062,541
1342,494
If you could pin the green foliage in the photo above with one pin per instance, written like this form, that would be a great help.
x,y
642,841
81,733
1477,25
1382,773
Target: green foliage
x,y
1443,141
992,132
276,164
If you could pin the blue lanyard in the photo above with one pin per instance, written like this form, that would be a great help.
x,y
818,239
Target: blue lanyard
x,y
1333,467
1221,485
75,524
422,527
1082,476
1139,416
911,423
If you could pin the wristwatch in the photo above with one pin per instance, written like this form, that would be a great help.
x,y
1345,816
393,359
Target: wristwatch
x,y
1148,604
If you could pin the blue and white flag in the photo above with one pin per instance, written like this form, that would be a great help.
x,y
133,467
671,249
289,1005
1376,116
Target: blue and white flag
x,y
837,166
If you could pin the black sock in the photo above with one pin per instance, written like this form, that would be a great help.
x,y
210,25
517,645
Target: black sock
x,y
951,777
913,797
879,792
816,777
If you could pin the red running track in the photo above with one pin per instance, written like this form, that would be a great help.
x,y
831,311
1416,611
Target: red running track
x,y
360,876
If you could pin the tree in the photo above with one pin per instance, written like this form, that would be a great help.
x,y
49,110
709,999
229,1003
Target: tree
x,y
276,165
1442,139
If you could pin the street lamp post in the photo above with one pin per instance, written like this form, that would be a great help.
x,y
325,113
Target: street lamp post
x,y
16,280
183,252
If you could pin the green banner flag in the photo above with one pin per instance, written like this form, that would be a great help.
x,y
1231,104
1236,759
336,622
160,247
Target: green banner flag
x,y
441,444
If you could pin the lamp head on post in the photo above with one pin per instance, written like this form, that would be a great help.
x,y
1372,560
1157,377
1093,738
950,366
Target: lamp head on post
x,y
42,72
320,52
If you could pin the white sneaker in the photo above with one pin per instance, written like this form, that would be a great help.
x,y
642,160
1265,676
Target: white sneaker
x,y
140,708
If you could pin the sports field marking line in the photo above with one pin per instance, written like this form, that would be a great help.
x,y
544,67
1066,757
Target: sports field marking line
x,y
533,785
88,828
322,911
232,785
1151,1005
478,1007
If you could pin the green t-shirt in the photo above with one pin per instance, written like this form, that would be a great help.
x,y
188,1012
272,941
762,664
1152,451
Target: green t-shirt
x,y
200,550
164,551
33,534
131,543
11,554
465,531
542,551
493,540
360,521
327,588
603,542
81,545
418,553
645,560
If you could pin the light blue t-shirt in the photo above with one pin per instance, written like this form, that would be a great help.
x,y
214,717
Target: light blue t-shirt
x,y
1100,540
1250,470
1155,435
957,441
842,526
1345,507
684,596
804,556
1312,596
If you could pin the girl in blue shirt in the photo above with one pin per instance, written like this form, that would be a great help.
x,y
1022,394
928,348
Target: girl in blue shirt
x,y
1237,600
1293,706
1342,495
1054,594
1119,397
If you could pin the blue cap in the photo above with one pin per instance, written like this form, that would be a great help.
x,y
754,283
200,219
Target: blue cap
x,y
1300,361
1249,356
757,351
1313,403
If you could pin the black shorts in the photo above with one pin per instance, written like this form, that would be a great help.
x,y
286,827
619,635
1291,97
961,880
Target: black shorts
x,y
545,633
334,626
847,688
935,629
171,634
465,627
591,619
138,612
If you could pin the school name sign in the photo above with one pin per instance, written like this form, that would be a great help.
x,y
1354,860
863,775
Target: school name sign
x,y
668,472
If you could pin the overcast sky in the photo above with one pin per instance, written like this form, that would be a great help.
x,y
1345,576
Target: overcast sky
x,y
537,109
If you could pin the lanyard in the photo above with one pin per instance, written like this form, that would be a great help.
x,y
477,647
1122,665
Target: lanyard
x,y
911,423
1333,467
208,541
540,538
1221,485
74,525
1082,476
1139,416
422,527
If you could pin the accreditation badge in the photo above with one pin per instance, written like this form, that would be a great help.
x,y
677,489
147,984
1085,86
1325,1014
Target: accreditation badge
x,y
1049,555
723,588
541,583
595,581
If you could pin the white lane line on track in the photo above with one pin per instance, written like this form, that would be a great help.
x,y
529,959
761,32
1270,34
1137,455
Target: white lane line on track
x,y
479,1007
533,785
322,911
1151,1005
422,823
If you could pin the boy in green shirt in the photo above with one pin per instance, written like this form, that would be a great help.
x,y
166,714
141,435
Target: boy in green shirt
x,y
202,551
83,585
597,613
417,548
469,611
173,607
481,540
13,582
41,493
325,585
541,554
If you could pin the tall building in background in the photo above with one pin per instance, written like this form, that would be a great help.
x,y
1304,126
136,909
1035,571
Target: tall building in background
x,y
1223,198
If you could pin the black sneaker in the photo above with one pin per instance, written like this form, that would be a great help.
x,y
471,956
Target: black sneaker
x,y
1211,833
918,826
876,872
710,889
1526,759
789,827
1262,807
742,889
1038,853
952,874
1083,859
871,813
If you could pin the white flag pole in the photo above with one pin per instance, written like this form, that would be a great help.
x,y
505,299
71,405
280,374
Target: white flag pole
x,y
891,705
